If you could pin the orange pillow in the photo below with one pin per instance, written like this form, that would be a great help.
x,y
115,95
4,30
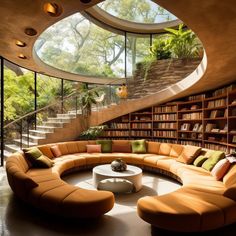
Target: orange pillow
x,y
220,169
56,151
94,148
189,154
121,148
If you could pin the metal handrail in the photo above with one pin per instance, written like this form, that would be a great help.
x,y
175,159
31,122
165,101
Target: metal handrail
x,y
52,104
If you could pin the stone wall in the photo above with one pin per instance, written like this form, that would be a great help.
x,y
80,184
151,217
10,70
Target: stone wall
x,y
159,75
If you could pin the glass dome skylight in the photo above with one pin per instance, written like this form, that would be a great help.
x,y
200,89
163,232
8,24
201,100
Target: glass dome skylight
x,y
140,11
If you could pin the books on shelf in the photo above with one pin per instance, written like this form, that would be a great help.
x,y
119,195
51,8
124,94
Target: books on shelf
x,y
168,125
196,127
209,127
165,117
217,113
217,103
196,97
216,147
142,133
119,125
194,107
224,90
115,133
161,109
234,139
141,125
192,116
165,133
215,130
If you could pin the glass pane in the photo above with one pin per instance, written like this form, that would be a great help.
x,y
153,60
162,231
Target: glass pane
x,y
142,11
76,45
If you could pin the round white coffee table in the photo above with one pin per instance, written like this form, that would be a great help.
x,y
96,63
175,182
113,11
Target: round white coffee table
x,y
117,181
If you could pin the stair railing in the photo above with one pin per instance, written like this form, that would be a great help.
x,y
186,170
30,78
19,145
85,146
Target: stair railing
x,y
19,131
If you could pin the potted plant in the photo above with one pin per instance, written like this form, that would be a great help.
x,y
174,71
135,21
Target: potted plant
x,y
93,132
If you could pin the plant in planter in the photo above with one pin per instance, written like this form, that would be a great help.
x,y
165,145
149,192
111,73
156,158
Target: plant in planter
x,y
87,99
93,132
182,43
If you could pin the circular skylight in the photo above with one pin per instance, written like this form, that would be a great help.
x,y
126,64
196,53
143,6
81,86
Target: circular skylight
x,y
140,11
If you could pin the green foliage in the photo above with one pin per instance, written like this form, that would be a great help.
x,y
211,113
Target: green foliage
x,y
160,50
87,99
182,43
93,132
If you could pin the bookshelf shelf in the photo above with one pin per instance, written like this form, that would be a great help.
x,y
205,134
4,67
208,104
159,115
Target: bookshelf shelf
x,y
195,120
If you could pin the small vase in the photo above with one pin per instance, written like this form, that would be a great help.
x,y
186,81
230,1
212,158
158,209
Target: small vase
x,y
118,165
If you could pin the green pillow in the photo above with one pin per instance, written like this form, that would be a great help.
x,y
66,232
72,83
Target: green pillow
x,y
139,146
106,145
213,159
36,157
200,160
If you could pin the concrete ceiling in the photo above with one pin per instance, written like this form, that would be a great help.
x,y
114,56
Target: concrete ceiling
x,y
213,21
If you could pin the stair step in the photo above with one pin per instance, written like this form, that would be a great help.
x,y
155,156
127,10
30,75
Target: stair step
x,y
25,143
67,115
46,128
11,148
53,124
39,133
61,119
32,138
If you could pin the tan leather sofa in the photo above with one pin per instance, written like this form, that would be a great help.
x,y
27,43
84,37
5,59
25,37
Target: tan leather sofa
x,y
201,204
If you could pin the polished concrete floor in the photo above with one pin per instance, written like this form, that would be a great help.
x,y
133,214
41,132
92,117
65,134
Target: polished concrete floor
x,y
18,219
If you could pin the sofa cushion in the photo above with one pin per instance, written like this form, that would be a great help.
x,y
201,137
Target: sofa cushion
x,y
189,154
139,146
46,150
220,169
200,160
43,162
176,150
153,147
32,154
56,151
106,145
165,149
94,148
124,145
211,161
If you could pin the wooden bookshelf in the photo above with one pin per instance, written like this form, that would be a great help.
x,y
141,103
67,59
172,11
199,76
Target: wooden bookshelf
x,y
207,120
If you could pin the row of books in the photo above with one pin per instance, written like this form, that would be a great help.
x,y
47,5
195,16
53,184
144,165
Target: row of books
x,y
165,140
191,136
184,142
197,127
168,125
223,90
216,147
142,118
141,126
216,103
192,116
211,127
165,117
115,133
165,109
119,125
171,134
140,133
196,97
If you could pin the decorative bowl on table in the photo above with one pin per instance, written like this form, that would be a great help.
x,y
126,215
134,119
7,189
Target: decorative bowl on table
x,y
118,165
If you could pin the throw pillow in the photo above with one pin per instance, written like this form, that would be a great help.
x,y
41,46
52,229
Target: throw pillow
x,y
200,160
220,169
32,154
94,148
46,150
106,145
139,146
153,147
211,161
36,157
56,151
189,154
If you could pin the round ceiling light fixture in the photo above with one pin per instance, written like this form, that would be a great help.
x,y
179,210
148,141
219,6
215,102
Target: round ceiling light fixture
x,y
21,44
30,31
85,1
52,9
22,56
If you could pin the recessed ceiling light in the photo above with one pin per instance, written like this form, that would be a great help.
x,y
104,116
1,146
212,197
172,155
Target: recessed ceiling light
x,y
30,31
22,56
52,9
85,1
20,43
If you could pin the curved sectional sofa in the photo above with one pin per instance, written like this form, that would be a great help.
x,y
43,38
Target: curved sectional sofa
x,y
201,204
